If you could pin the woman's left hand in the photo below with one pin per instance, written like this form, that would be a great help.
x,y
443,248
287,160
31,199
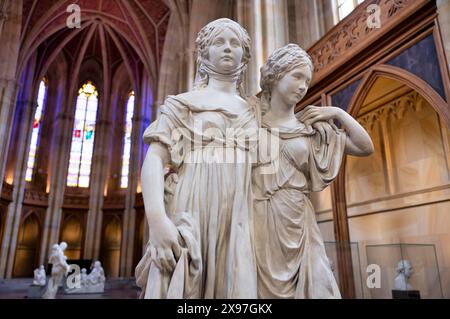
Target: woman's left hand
x,y
313,114
324,129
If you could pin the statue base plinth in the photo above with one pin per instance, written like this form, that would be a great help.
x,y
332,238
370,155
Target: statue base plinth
x,y
36,292
405,294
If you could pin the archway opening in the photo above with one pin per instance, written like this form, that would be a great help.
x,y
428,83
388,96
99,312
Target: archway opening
x,y
112,237
72,234
27,251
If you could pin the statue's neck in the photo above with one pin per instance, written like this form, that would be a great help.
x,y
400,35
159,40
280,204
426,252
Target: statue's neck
x,y
279,111
277,117
229,87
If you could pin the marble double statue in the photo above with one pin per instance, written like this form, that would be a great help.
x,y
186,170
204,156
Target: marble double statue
x,y
59,270
222,225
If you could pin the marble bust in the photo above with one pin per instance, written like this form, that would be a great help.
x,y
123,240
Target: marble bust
x,y
219,227
404,271
40,277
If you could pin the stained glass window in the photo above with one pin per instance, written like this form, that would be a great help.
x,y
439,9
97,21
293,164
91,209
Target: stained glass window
x,y
345,7
127,141
37,123
83,137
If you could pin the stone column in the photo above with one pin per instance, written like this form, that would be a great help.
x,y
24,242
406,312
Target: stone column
x,y
10,28
141,119
443,8
328,13
99,171
15,208
59,158
172,77
266,21
10,24
249,16
25,108
3,14
306,22
8,94
188,61
275,25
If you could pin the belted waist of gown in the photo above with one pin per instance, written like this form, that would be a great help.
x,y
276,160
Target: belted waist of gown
x,y
217,143
267,194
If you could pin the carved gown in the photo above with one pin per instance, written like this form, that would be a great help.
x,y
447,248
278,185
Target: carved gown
x,y
209,199
290,252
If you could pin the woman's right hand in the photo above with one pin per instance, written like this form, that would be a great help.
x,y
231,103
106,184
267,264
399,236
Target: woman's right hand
x,y
164,247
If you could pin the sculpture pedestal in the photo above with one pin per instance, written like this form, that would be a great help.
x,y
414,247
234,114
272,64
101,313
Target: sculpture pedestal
x,y
93,289
405,294
36,292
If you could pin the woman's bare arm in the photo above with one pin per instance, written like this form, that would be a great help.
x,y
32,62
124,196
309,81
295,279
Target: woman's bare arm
x,y
152,181
358,142
164,243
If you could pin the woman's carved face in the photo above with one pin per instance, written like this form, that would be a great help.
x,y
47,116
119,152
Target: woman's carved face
x,y
294,84
225,51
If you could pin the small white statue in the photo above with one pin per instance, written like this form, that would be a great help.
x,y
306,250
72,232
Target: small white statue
x,y
84,278
59,270
40,277
96,279
90,283
404,272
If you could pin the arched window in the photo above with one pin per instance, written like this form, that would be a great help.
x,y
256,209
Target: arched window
x,y
83,136
127,141
345,7
37,123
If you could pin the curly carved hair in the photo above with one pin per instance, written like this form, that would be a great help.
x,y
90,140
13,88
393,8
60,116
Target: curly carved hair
x,y
280,62
205,39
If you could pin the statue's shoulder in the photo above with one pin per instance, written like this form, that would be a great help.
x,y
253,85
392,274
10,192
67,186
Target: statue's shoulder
x,y
194,97
174,104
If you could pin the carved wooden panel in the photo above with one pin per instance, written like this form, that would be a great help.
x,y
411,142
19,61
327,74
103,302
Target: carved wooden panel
x,y
352,34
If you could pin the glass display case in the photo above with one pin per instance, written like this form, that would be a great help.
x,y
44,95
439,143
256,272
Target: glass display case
x,y
407,271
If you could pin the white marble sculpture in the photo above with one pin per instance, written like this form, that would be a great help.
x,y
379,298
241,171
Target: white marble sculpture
x,y
83,284
59,270
83,279
403,273
40,277
291,257
200,243
94,282
96,279
202,231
